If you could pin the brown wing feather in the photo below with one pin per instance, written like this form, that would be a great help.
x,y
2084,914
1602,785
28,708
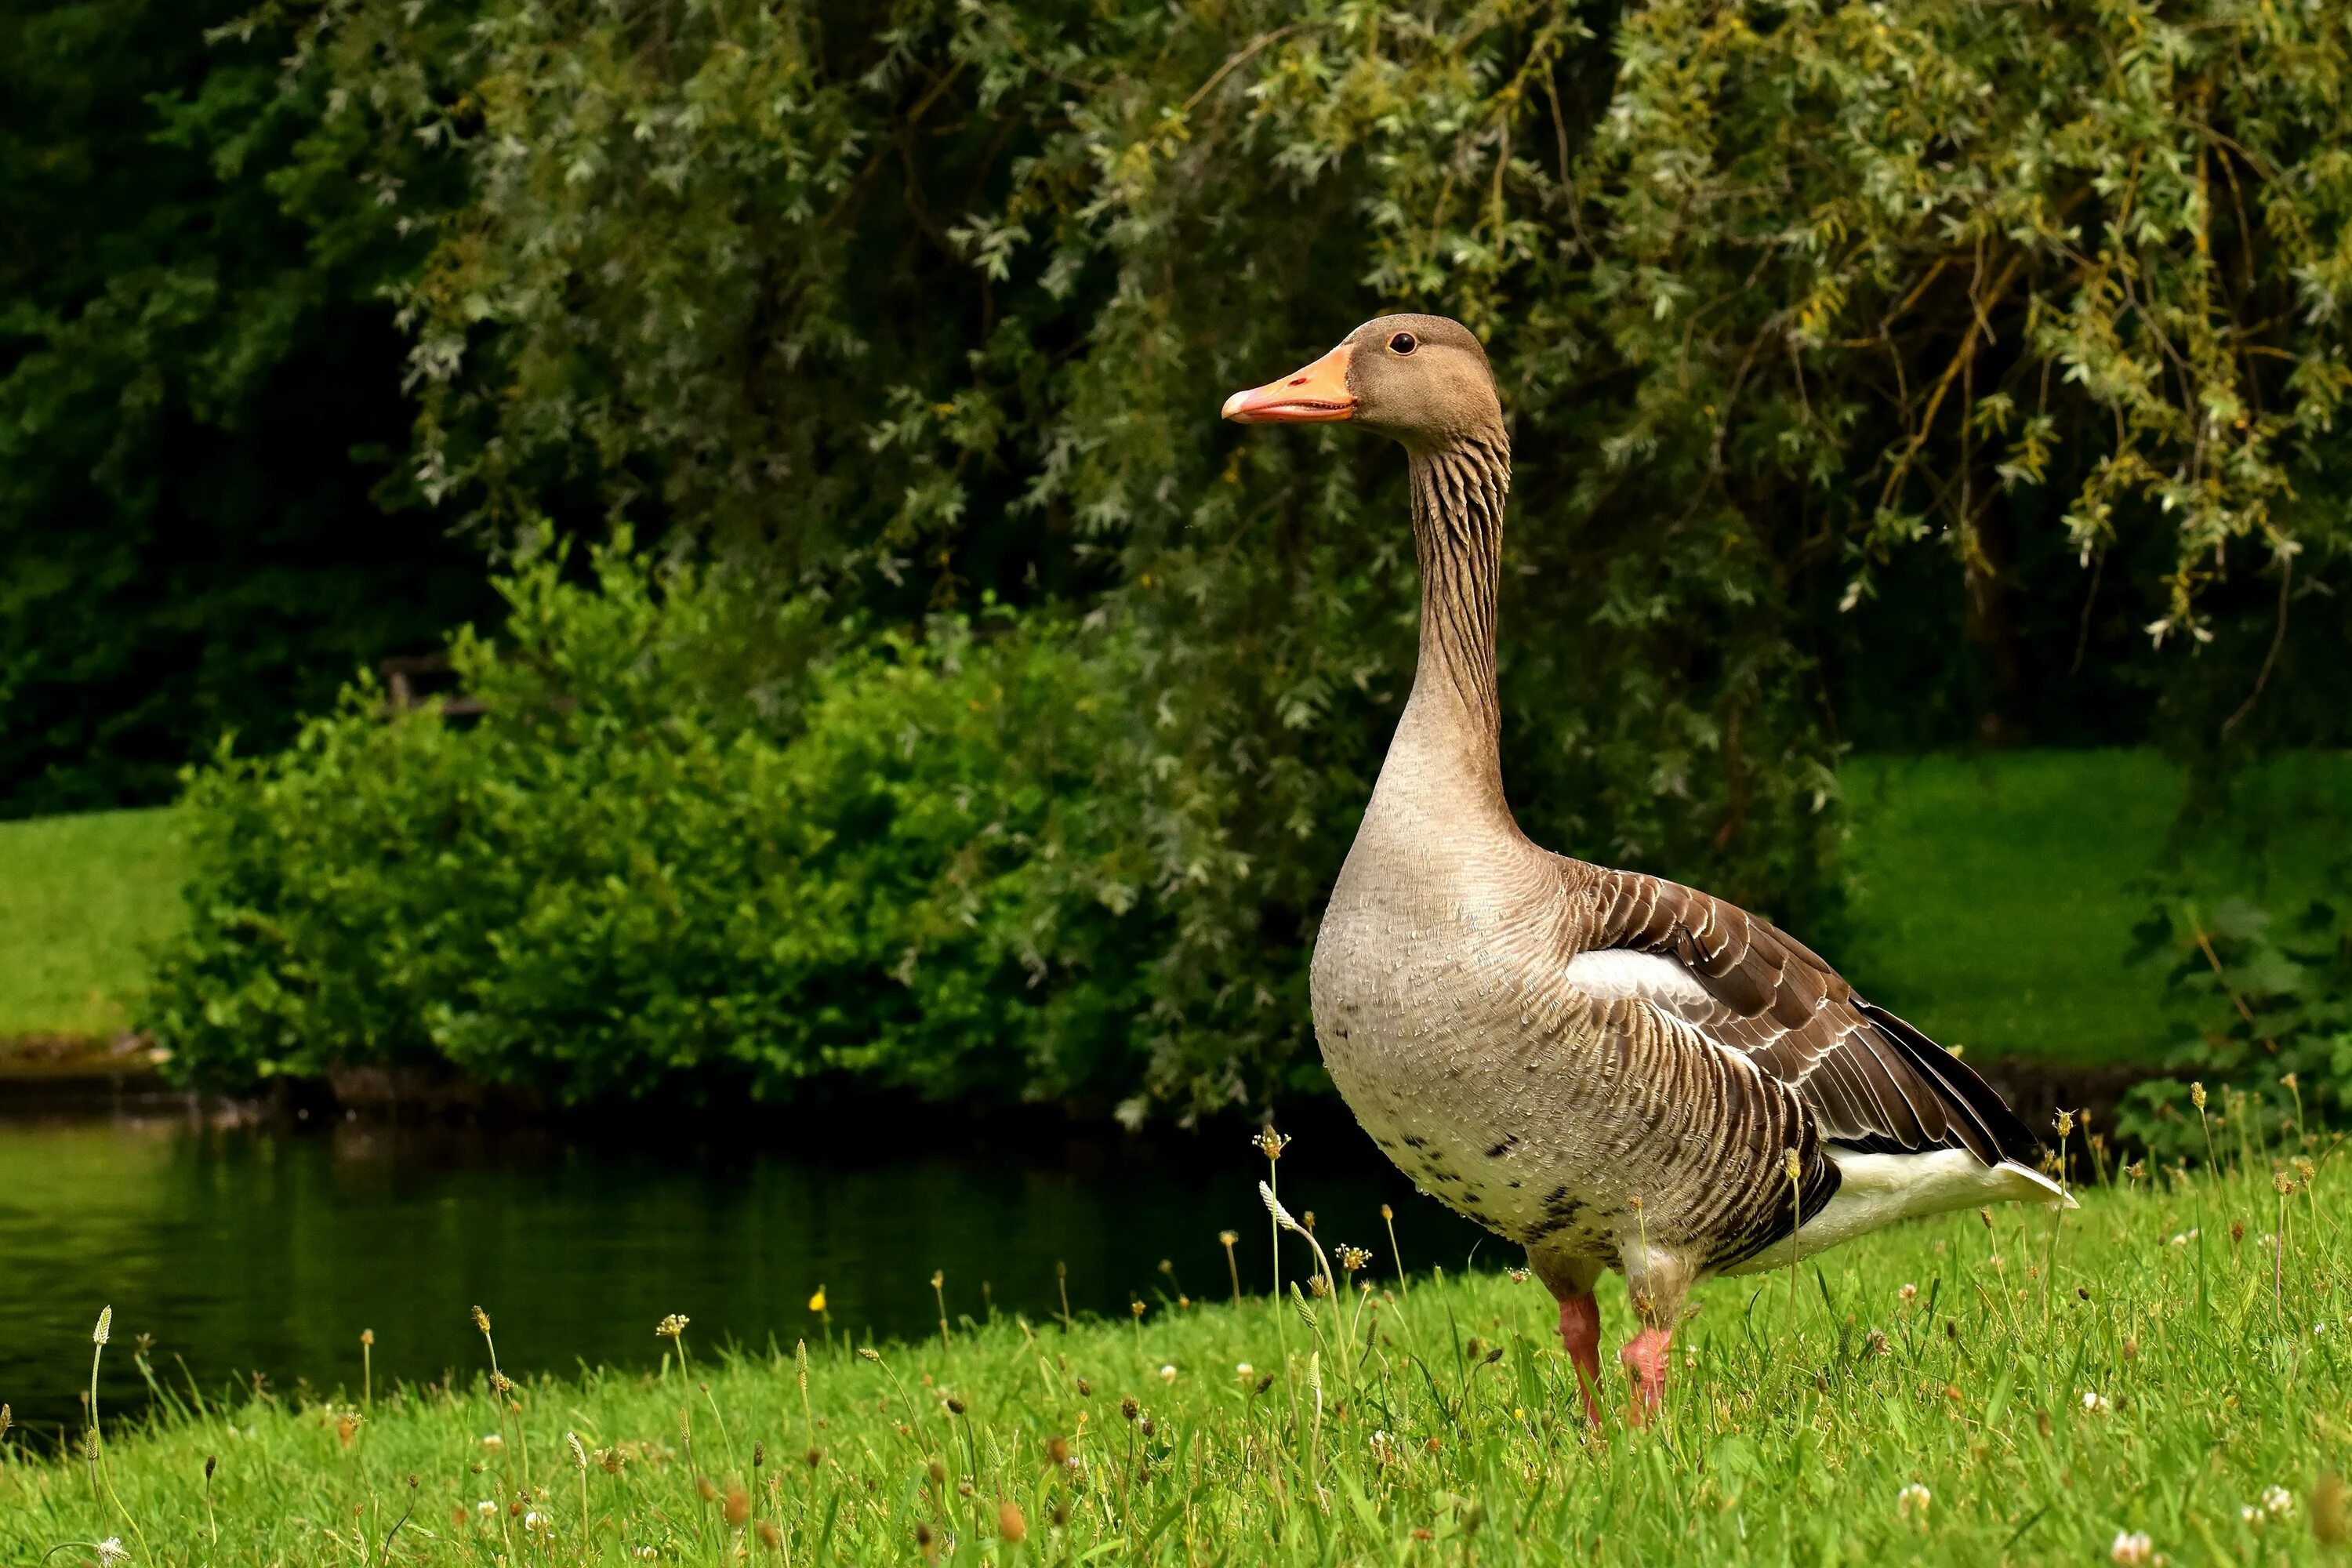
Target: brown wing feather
x,y
1871,1080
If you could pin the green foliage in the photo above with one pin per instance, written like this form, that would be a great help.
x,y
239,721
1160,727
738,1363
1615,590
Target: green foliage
x,y
196,397
639,871
1836,340
2263,1009
2067,1390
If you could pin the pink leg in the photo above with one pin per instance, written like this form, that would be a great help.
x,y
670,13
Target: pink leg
x,y
1580,1333
1645,1356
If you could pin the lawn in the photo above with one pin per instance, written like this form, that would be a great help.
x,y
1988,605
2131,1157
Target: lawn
x,y
2150,1374
1995,897
81,899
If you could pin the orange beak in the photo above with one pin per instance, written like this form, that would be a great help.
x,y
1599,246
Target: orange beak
x,y
1314,395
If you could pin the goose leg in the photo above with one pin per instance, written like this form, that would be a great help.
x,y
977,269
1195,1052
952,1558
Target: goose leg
x,y
1580,1334
1570,1282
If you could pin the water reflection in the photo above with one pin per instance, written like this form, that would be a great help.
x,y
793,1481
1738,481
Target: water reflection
x,y
243,1249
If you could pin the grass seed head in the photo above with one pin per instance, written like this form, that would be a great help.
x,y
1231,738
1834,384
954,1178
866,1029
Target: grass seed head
x,y
1271,1143
579,1450
367,1336
813,1458
739,1505
671,1327
770,1536
481,1320
705,1488
1010,1524
105,1329
2331,1511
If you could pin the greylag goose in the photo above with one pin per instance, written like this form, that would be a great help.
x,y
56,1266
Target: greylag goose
x,y
1609,1069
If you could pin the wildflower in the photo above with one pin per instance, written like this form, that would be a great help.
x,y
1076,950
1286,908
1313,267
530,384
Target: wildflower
x,y
492,1440
485,1508
99,1336
646,1554
1516,1276
111,1549
669,1328
816,1302
1244,1371
2197,1095
2132,1546
1010,1522
2095,1402
1876,1345
579,1450
1167,1375
1794,1165
2277,1502
1912,1501
869,1353
738,1506
1907,1294
534,1519
770,1536
481,1320
1352,1258
1271,1143
1227,1237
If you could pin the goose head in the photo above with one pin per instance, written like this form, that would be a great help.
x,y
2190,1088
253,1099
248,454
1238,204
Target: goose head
x,y
1422,381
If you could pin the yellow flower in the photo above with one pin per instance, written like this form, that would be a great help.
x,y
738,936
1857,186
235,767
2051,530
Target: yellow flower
x,y
816,1302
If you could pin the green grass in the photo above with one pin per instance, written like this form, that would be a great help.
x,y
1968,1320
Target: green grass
x,y
2139,1367
1996,896
1995,905
81,900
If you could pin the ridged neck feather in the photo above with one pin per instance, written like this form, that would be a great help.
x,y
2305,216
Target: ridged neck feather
x,y
1458,534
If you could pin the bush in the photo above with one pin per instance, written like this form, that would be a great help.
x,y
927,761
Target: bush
x,y
2263,1011
828,857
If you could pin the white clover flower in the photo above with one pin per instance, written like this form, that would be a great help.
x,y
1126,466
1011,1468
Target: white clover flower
x,y
534,1519
485,1508
2277,1501
2249,1513
2132,1546
111,1549
1168,1374
2095,1402
1913,1500
494,1441
1242,1369
1907,1293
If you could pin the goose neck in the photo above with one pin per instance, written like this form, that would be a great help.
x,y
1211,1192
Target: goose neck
x,y
1457,529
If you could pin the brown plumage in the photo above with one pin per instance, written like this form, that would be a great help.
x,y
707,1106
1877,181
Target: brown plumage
x,y
1615,1070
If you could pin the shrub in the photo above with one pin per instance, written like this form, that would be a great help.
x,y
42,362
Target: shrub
x,y
2263,1011
827,855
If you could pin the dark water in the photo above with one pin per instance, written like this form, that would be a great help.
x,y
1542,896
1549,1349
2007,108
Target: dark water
x,y
246,1249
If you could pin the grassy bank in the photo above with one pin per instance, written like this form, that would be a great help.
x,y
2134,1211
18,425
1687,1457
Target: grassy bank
x,y
1995,896
2150,1365
82,901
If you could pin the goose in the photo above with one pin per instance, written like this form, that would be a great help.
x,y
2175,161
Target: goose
x,y
1613,1070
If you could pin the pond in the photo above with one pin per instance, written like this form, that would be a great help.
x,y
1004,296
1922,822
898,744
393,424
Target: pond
x,y
248,1249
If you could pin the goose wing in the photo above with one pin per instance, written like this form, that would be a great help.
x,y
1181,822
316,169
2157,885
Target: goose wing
x,y
1873,1081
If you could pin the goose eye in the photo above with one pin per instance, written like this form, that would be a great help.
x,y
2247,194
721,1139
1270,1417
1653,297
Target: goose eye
x,y
1403,344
